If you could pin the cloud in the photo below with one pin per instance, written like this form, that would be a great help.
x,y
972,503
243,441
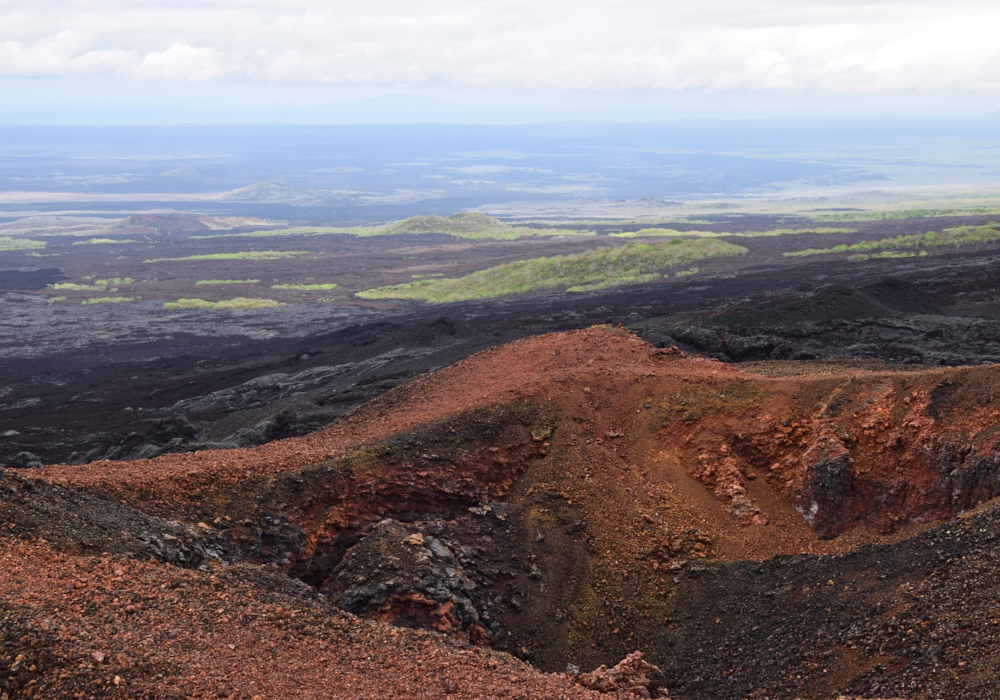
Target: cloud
x,y
711,45
179,62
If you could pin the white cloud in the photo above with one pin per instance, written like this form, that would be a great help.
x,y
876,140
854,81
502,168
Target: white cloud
x,y
711,45
179,62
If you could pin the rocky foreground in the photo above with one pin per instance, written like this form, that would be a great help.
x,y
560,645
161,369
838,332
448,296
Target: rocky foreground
x,y
560,501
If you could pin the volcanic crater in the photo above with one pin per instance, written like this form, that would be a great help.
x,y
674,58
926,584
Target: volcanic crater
x,y
774,531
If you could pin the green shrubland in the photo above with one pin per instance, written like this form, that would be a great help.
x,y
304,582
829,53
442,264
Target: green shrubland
x,y
108,285
887,255
891,215
632,263
674,233
956,237
226,305
306,287
108,300
8,243
76,287
213,282
242,255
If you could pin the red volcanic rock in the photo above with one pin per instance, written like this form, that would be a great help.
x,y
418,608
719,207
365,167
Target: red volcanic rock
x,y
631,678
102,626
589,440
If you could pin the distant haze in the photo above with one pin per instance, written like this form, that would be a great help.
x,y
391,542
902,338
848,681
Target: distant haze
x,y
377,173
495,61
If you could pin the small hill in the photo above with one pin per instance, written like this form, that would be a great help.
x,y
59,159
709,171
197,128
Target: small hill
x,y
463,223
472,225
160,224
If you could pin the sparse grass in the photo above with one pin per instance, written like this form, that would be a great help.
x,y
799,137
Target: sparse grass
x,y
891,215
76,287
214,282
53,300
469,225
114,280
306,287
663,233
108,300
242,255
43,255
632,263
105,240
235,304
9,243
688,273
96,286
958,236
887,254
673,233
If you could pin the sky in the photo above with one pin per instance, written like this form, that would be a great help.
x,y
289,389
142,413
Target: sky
x,y
112,61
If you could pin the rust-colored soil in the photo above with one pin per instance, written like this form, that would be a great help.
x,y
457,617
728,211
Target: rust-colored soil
x,y
631,425
112,627
618,465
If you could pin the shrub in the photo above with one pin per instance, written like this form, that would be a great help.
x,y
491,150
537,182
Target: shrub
x,y
235,304
632,263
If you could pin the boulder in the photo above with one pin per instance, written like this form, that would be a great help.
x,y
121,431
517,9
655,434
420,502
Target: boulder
x,y
26,460
631,678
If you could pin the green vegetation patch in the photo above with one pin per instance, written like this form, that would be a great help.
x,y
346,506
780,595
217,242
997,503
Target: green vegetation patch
x,y
213,282
306,287
673,233
108,300
225,305
632,263
470,225
76,287
892,215
887,254
242,255
8,243
958,236
105,240
108,285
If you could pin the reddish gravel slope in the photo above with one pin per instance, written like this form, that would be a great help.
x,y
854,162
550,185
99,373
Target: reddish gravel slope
x,y
78,627
571,487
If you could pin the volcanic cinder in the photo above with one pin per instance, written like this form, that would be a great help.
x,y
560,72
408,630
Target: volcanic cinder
x,y
570,499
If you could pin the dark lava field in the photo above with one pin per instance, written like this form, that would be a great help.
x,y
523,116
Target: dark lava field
x,y
123,381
